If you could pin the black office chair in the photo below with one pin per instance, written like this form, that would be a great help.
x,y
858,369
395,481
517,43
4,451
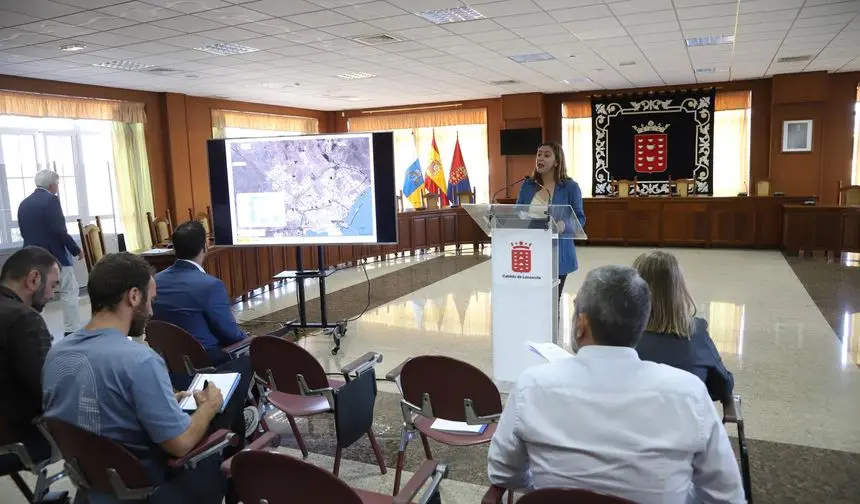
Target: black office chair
x,y
15,459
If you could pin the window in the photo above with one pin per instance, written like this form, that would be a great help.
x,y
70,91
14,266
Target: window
x,y
731,145
473,146
80,151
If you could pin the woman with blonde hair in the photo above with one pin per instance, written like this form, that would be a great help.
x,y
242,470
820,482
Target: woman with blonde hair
x,y
674,335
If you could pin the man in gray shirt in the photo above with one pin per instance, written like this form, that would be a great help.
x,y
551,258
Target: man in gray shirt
x,y
99,380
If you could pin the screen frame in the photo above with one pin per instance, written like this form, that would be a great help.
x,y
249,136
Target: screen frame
x,y
515,140
383,192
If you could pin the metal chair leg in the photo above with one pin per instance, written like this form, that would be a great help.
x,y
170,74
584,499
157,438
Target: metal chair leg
x,y
22,486
426,443
299,440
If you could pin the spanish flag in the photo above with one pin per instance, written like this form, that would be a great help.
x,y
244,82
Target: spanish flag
x,y
413,182
434,179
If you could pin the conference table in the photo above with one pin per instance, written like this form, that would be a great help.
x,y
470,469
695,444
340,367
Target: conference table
x,y
737,222
829,228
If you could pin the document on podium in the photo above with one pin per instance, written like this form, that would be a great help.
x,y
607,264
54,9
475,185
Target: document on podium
x,y
550,352
226,383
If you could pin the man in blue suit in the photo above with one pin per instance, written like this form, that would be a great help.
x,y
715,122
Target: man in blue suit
x,y
41,220
192,299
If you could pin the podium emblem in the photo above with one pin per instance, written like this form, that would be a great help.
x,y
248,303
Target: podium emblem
x,y
650,146
521,257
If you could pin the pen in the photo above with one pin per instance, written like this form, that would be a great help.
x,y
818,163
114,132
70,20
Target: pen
x,y
205,384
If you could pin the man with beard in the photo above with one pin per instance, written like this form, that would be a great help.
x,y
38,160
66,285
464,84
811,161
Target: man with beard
x,y
101,381
27,281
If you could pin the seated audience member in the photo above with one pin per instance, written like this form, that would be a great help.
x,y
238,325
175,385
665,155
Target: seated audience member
x,y
606,421
194,300
674,335
27,281
101,381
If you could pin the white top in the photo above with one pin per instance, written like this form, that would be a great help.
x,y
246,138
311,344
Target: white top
x,y
195,264
606,421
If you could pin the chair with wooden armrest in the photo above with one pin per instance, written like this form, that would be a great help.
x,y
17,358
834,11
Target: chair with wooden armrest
x,y
296,384
762,187
160,229
266,440
434,386
624,188
431,201
733,413
275,478
92,242
467,197
15,458
685,187
96,463
182,352
849,195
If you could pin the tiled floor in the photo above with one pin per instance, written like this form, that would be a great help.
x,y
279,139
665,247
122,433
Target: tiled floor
x,y
799,377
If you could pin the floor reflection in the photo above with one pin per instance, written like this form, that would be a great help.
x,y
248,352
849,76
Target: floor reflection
x,y
455,313
850,352
726,326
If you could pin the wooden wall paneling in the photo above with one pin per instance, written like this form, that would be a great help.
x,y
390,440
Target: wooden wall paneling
x,y
605,219
796,173
434,230
733,223
684,223
404,232
838,128
450,229
419,232
643,222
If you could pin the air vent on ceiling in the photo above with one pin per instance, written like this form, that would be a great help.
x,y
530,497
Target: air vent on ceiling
x,y
378,39
627,63
794,59
509,82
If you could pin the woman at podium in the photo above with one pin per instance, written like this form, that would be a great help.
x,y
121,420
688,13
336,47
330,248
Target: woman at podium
x,y
549,184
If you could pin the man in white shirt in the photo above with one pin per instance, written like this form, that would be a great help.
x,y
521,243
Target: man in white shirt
x,y
608,422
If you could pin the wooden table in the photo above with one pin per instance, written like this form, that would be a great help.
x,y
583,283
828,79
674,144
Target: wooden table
x,y
740,222
830,228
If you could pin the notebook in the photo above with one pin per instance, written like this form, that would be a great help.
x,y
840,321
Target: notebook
x,y
550,352
226,382
457,427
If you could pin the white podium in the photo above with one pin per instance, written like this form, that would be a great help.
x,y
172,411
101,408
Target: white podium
x,y
524,302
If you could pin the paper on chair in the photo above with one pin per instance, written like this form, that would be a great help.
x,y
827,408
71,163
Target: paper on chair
x,y
550,352
457,427
226,383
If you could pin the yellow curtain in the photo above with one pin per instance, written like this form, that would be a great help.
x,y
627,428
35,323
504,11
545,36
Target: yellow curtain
x,y
732,100
438,119
576,140
133,183
222,119
66,107
576,110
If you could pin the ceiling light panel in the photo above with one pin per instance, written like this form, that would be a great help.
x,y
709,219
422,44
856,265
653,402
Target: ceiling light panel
x,y
453,15
128,66
225,49
531,58
710,40
355,75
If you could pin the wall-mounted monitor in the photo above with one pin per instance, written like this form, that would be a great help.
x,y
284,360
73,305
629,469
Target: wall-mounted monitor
x,y
303,190
515,142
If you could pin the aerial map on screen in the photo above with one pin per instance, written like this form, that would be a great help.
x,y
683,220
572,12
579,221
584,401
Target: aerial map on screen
x,y
315,189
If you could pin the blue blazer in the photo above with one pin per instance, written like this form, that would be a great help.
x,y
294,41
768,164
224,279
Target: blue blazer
x,y
41,220
697,355
197,302
565,193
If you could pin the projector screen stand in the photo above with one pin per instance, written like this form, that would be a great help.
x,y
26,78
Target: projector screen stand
x,y
337,330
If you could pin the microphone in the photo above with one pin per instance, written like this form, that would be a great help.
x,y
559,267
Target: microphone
x,y
503,188
548,194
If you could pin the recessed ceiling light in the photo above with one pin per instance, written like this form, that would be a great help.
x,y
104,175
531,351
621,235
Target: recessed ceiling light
x,y
530,58
627,63
73,47
355,75
710,40
226,49
128,66
794,59
574,82
507,82
453,15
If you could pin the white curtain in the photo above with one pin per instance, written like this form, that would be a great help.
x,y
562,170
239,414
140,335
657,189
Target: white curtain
x,y
576,140
731,152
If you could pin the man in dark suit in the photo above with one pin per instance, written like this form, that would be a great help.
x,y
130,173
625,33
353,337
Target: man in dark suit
x,y
41,220
192,299
27,281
